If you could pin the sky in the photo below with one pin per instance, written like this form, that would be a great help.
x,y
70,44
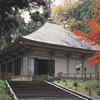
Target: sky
x,y
57,2
26,16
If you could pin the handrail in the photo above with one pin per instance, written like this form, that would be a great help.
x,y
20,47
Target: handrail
x,y
78,94
80,75
11,91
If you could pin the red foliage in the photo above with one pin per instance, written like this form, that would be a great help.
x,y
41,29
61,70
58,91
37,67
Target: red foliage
x,y
95,59
94,35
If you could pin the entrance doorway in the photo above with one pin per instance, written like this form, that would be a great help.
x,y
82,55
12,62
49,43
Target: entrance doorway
x,y
43,66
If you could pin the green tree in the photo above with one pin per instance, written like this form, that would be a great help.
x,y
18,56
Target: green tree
x,y
38,19
63,14
11,22
82,11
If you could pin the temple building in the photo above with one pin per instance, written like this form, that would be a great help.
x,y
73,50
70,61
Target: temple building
x,y
48,51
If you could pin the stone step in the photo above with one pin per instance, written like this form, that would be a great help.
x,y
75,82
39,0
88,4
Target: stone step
x,y
36,90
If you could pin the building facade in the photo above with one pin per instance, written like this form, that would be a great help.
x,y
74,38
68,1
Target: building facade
x,y
51,50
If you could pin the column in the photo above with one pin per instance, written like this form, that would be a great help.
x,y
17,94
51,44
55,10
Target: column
x,y
22,65
12,68
6,71
0,71
82,67
51,64
28,66
67,64
96,71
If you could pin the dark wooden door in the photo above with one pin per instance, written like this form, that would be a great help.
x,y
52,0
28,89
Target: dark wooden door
x,y
51,67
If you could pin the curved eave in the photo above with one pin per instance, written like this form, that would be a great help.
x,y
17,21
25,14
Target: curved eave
x,y
56,47
11,46
27,43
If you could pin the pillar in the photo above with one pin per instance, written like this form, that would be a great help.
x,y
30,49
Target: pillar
x,y
12,68
82,67
96,71
0,71
6,71
22,65
67,64
28,66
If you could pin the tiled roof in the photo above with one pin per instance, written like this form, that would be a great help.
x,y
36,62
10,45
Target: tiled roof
x,y
56,34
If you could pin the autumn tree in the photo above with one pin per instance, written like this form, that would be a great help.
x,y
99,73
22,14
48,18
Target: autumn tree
x,y
93,37
62,14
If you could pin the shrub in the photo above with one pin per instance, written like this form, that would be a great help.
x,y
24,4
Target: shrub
x,y
75,84
5,97
96,87
98,91
3,94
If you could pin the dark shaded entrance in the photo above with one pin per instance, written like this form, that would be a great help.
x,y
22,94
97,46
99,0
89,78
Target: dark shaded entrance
x,y
43,66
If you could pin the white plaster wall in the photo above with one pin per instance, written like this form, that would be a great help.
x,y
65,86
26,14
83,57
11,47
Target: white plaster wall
x,y
90,68
72,65
98,68
60,65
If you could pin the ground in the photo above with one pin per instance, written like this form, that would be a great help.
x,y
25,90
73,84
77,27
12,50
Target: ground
x,y
3,93
87,87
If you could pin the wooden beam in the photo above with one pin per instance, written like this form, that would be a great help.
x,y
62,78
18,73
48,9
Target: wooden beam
x,y
96,71
82,61
12,59
20,53
51,53
12,56
1,60
13,68
7,57
68,55
0,71
6,70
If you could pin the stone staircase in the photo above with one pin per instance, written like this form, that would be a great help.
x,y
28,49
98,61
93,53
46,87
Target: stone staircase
x,y
39,90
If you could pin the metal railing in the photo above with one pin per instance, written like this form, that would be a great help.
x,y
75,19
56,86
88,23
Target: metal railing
x,y
10,91
79,75
61,75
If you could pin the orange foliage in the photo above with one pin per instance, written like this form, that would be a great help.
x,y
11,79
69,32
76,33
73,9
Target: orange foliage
x,y
94,27
95,59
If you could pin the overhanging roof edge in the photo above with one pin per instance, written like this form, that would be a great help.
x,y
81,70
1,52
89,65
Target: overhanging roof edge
x,y
41,44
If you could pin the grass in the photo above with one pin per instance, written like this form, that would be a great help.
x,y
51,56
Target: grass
x,y
3,93
83,86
